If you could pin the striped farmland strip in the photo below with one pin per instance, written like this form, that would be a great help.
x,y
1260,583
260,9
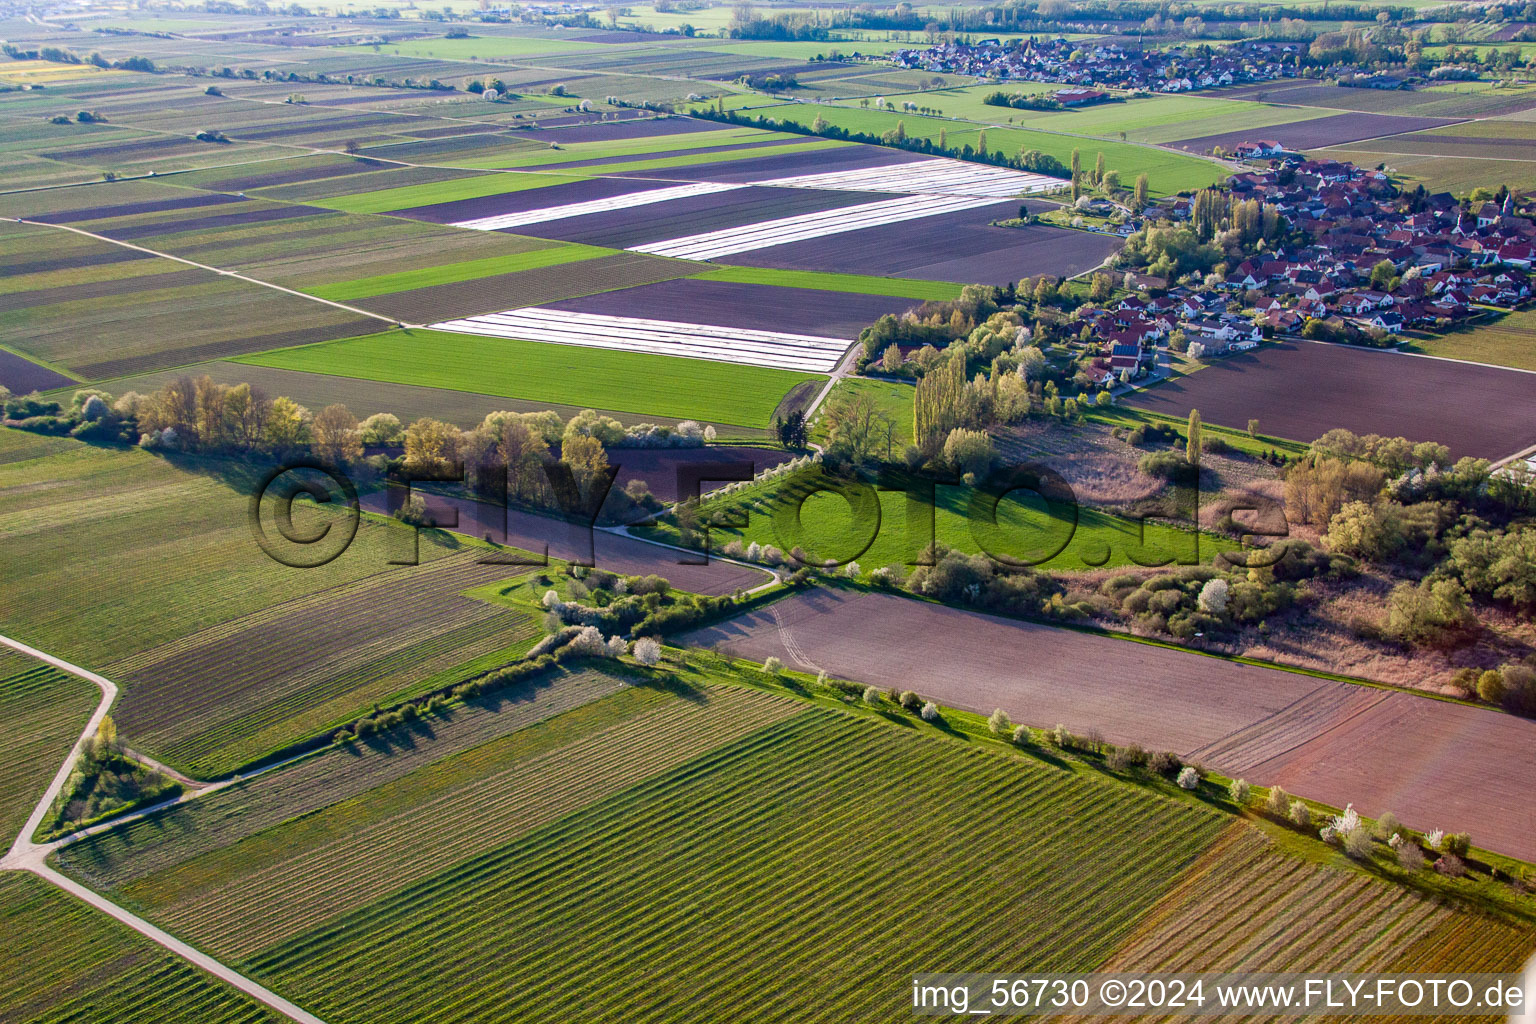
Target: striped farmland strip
x,y
659,337
620,202
929,177
729,241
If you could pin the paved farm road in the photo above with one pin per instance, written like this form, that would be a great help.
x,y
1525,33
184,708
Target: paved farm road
x,y
1435,764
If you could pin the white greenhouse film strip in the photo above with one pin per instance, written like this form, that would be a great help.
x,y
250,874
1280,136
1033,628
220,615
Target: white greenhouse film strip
x,y
928,177
748,237
658,337
626,201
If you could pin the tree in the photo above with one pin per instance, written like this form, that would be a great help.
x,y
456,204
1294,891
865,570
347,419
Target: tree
x,y
287,423
1213,596
431,445
1192,442
336,438
1253,428
1101,289
1077,172
647,651
999,722
1143,189
938,404
1098,170
855,425
586,457
245,414
381,428
969,451
1431,613
1382,274
791,430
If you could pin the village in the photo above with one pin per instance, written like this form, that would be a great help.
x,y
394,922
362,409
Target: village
x,y
1375,263
1110,65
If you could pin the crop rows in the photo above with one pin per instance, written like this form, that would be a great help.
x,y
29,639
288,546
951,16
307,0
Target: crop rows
x,y
632,382
658,337
1246,906
66,963
169,553
229,817
628,200
42,711
940,177
786,870
216,699
807,226
301,876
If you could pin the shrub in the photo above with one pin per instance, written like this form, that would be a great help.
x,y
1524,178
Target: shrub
x,y
342,737
647,651
1240,792
1124,759
589,643
1278,802
930,712
999,722
1059,737
1388,826
410,712
1458,844
773,666
1490,686
871,696
909,700
1301,814
1021,735
1189,778
1165,763
1357,843
1409,857
1451,866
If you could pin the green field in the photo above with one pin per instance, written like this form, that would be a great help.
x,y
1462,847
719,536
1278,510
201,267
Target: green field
x,y
1051,537
449,273
477,47
893,398
1437,173
635,382
1156,119
1167,172
68,962
408,196
662,163
638,146
1507,341
857,284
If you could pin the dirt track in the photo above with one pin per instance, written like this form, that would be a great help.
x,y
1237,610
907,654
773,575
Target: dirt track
x,y
1435,764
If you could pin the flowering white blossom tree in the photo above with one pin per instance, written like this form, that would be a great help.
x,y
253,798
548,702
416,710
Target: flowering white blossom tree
x,y
1213,596
1189,777
930,712
647,651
